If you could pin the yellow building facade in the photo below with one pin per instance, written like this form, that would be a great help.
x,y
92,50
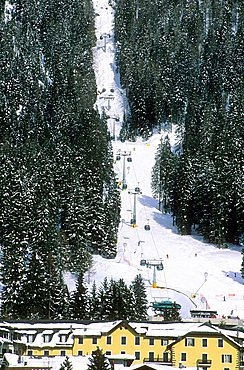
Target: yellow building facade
x,y
175,344
206,351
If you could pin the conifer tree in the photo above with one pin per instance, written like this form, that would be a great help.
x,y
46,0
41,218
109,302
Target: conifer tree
x,y
105,299
93,303
79,301
161,181
140,301
242,264
171,314
123,301
98,361
66,365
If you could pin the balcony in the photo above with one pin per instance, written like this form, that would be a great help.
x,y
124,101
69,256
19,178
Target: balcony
x,y
204,363
158,360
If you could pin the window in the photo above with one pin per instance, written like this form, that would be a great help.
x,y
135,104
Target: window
x,y
108,353
164,342
62,353
94,340
151,356
227,359
151,341
80,340
137,355
30,338
62,338
226,368
189,342
109,340
220,343
46,353
183,356
165,356
29,353
123,340
122,352
46,338
204,342
204,358
80,353
4,335
137,341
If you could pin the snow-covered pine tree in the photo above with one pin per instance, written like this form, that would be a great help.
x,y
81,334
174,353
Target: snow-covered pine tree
x,y
35,295
140,302
79,300
123,302
105,299
66,365
98,361
112,205
242,264
93,303
16,199
161,180
171,314
58,294
182,194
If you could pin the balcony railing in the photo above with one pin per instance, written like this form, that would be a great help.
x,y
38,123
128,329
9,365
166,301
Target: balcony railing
x,y
205,363
162,361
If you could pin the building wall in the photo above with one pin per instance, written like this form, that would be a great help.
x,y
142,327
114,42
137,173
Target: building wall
x,y
57,351
122,339
212,350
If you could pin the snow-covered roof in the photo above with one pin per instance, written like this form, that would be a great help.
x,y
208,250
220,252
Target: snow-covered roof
x,y
78,362
232,332
161,329
152,366
47,332
64,331
33,332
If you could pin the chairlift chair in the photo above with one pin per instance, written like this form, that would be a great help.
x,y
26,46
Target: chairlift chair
x,y
160,267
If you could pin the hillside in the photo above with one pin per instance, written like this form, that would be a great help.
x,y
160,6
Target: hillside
x,y
189,257
108,108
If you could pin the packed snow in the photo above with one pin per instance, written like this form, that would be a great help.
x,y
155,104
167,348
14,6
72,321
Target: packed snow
x,y
195,274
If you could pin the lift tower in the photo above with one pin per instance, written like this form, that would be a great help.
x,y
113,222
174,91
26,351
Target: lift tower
x,y
157,266
134,192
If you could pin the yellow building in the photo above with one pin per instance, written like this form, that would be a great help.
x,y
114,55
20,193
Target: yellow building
x,y
206,348
198,345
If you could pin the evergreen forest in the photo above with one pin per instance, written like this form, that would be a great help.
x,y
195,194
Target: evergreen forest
x,y
59,198
181,65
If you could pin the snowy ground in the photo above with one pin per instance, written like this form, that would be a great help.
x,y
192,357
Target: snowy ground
x,y
192,266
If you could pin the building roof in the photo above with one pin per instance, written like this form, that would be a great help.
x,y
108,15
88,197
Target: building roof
x,y
78,362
